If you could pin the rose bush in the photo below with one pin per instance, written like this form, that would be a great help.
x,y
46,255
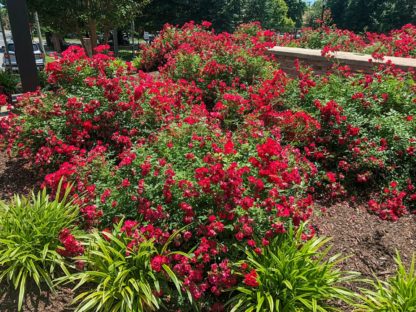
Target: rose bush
x,y
327,37
222,144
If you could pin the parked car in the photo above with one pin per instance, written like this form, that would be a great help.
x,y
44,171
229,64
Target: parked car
x,y
9,60
149,37
123,39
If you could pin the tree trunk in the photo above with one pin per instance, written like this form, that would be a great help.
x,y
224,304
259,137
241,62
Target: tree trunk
x,y
106,34
56,42
92,26
88,46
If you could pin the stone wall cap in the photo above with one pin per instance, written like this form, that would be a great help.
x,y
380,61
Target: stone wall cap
x,y
343,57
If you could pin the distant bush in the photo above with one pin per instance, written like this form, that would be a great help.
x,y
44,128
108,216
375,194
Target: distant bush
x,y
9,82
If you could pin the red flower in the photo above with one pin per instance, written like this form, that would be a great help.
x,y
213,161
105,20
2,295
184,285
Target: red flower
x,y
125,183
157,262
128,227
206,24
229,148
72,247
250,279
331,177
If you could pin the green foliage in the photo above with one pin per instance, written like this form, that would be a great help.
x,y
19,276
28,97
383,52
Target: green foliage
x,y
372,15
68,16
293,275
224,14
119,275
296,9
8,82
397,294
313,13
29,230
271,13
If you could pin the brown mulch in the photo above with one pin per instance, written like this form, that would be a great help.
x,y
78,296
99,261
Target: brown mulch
x,y
15,177
370,242
36,301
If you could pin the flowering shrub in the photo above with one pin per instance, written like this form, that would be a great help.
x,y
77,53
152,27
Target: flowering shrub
x,y
367,136
222,142
399,42
216,63
111,112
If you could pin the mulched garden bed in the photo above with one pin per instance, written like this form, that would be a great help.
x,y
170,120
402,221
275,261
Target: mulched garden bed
x,y
37,301
15,177
370,242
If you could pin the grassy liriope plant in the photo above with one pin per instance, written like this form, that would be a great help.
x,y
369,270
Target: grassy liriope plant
x,y
396,294
119,275
29,239
291,275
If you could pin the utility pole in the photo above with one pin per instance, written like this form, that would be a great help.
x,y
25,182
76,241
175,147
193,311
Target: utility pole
x,y
42,48
6,48
19,22
115,42
132,36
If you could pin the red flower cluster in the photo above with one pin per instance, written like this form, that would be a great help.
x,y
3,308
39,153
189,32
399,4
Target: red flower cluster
x,y
400,42
71,247
251,279
157,262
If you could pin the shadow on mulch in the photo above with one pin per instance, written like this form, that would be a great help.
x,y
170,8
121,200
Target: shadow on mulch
x,y
370,242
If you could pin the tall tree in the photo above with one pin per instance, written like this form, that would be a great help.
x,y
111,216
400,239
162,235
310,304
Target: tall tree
x,y
313,13
372,15
393,14
296,10
224,14
272,14
80,16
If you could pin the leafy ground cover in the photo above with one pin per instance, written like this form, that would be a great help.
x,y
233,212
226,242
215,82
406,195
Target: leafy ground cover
x,y
202,171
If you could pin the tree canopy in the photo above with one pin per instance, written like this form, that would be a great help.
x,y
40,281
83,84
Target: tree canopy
x,y
80,16
224,14
372,15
